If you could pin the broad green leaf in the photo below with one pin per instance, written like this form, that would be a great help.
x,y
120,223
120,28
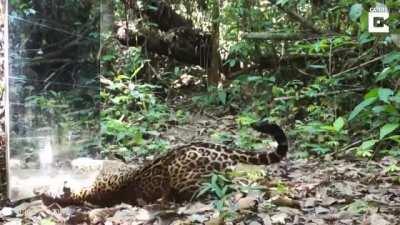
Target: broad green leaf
x,y
396,98
328,128
137,70
244,120
108,57
391,109
372,93
364,153
222,95
395,138
232,63
384,94
361,107
382,75
218,191
368,144
387,129
393,57
378,109
214,179
338,124
282,2
365,37
364,22
203,191
222,178
225,190
355,11
138,137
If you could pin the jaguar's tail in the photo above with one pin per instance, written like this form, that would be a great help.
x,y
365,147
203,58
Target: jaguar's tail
x,y
266,158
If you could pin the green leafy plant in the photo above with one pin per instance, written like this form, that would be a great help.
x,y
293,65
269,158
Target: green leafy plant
x,y
323,138
131,109
380,111
221,189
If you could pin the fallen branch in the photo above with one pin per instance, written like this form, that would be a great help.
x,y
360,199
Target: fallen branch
x,y
185,45
13,204
296,17
274,36
279,36
349,146
359,66
319,94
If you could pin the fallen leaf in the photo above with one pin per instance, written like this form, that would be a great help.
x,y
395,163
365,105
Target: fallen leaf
x,y
247,203
14,222
376,219
266,218
321,210
194,208
254,223
328,201
198,218
285,201
216,220
279,218
310,203
289,211
7,211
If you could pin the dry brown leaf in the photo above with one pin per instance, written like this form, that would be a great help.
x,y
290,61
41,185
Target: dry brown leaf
x,y
285,201
310,202
195,208
279,218
248,202
375,219
266,218
216,220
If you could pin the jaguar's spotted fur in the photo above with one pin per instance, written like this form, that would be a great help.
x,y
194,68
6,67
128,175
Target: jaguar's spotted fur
x,y
176,175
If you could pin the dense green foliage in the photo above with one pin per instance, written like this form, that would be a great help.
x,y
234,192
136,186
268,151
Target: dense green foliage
x,y
339,93
331,103
130,108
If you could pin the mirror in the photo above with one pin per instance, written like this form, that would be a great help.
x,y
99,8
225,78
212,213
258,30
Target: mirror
x,y
53,91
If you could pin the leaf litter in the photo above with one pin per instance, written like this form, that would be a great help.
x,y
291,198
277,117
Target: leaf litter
x,y
295,191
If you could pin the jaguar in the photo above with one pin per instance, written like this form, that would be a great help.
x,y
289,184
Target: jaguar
x,y
174,176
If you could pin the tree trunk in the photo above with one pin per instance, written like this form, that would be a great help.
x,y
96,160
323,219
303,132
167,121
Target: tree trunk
x,y
107,16
214,73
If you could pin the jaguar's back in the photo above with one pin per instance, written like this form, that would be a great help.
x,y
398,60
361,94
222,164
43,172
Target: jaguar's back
x,y
176,175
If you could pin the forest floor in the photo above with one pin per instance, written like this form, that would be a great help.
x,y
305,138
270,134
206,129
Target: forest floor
x,y
295,191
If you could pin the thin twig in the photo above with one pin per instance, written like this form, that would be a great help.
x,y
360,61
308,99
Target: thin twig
x,y
274,36
359,66
318,94
330,57
58,217
347,147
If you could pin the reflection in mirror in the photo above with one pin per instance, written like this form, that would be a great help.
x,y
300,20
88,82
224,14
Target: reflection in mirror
x,y
53,91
